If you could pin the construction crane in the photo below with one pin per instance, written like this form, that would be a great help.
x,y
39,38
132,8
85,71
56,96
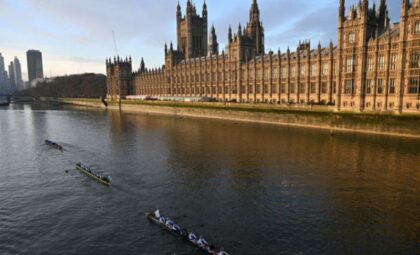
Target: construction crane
x,y
115,42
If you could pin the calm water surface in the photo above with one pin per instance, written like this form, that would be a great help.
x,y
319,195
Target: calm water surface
x,y
252,189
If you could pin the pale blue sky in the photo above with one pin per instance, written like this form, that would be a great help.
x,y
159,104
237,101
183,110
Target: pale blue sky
x,y
75,36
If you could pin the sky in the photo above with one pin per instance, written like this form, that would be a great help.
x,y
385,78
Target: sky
x,y
75,36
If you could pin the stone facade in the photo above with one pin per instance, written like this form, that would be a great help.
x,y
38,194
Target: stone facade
x,y
375,65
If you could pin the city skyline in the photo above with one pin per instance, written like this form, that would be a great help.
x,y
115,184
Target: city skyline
x,y
77,41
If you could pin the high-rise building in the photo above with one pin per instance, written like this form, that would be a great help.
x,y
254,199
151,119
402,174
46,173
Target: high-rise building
x,y
12,83
1,68
18,74
35,69
3,75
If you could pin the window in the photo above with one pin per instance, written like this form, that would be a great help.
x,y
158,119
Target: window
x,y
283,72
392,86
303,70
393,62
293,72
349,88
313,88
266,74
371,64
417,28
275,73
368,87
292,88
351,37
381,62
324,88
283,88
380,86
349,65
314,70
415,58
413,86
325,69
302,88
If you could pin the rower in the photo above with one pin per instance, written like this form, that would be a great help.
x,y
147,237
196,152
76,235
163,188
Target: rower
x,y
202,242
175,227
162,220
169,223
192,238
212,250
157,214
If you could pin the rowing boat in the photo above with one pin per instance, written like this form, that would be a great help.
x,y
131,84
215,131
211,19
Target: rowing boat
x,y
54,145
104,179
183,234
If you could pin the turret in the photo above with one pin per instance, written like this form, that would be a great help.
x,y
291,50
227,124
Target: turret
x,y
213,44
119,74
189,8
204,10
142,66
342,11
404,8
230,33
383,20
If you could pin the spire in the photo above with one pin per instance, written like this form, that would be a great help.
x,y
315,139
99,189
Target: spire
x,y
404,8
383,16
365,6
178,10
142,66
213,44
254,13
342,10
189,7
230,33
204,9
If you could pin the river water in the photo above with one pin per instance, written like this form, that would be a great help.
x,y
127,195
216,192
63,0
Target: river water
x,y
253,189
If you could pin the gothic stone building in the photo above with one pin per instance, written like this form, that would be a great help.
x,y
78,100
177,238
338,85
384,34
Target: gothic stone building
x,y
375,65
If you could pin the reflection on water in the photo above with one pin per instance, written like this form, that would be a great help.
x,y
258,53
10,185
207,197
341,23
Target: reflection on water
x,y
253,189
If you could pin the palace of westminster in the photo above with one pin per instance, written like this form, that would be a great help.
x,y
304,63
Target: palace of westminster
x,y
375,65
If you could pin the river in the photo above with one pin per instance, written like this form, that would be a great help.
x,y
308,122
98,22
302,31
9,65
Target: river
x,y
253,189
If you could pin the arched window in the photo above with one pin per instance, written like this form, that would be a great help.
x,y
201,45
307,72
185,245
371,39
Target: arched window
x,y
352,37
417,28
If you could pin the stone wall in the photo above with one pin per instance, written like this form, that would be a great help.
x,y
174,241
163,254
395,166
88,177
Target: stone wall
x,y
402,126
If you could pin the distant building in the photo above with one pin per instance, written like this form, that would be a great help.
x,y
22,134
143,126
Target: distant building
x,y
12,83
19,85
3,76
375,65
35,68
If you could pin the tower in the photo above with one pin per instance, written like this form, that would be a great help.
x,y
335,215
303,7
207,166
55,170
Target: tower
x,y
119,78
255,29
18,82
354,32
192,31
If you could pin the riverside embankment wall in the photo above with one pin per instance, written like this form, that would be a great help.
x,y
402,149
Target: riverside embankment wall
x,y
315,117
